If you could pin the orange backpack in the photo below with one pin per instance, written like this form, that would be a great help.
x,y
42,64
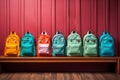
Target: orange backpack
x,y
43,45
12,45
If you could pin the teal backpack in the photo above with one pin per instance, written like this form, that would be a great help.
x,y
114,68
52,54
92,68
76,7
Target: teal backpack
x,y
90,44
74,44
58,45
27,45
106,45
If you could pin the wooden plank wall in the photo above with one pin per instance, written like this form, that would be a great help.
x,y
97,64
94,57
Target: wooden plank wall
x,y
60,15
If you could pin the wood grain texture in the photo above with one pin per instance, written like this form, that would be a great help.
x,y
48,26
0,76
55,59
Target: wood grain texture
x,y
59,76
57,59
113,16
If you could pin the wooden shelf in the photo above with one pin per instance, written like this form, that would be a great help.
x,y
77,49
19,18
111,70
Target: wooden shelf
x,y
61,60
56,59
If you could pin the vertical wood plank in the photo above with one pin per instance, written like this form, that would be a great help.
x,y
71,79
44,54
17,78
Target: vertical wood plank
x,y
75,15
30,17
107,15
113,23
100,17
67,18
36,18
8,16
39,8
53,17
14,16
46,16
22,17
3,25
93,16
85,16
119,26
72,15
78,16
60,16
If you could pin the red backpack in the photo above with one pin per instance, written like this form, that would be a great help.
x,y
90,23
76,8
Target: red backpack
x,y
43,45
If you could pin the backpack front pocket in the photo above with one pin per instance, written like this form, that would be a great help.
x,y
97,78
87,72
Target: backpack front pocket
x,y
43,48
28,49
90,50
73,48
108,51
58,49
11,49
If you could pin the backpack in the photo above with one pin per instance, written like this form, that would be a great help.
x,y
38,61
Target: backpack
x,y
27,45
43,45
12,45
74,44
90,44
106,45
58,45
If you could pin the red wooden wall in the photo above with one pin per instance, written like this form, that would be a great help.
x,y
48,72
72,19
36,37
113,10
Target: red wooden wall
x,y
60,15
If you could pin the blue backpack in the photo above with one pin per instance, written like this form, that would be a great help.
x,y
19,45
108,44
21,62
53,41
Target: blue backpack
x,y
27,45
58,45
106,45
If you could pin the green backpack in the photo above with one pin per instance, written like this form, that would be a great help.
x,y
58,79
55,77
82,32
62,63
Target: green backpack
x,y
90,44
74,44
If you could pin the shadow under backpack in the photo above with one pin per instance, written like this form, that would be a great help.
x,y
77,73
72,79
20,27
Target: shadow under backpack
x,y
28,45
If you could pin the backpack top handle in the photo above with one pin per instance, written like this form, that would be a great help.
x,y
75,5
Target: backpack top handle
x,y
45,33
89,32
28,32
13,32
58,32
74,32
105,32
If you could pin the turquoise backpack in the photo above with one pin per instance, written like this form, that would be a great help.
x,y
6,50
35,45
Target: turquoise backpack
x,y
74,44
58,45
90,44
27,45
106,45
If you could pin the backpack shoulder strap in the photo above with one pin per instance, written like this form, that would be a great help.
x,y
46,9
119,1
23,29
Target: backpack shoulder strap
x,y
58,34
73,34
13,34
103,35
89,33
29,34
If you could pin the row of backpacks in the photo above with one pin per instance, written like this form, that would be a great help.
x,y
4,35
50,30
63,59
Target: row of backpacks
x,y
74,46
